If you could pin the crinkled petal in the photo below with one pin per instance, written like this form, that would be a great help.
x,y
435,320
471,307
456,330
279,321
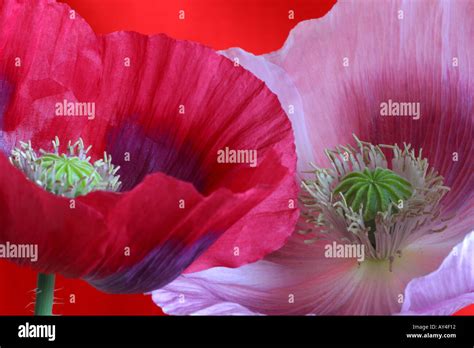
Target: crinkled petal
x,y
130,247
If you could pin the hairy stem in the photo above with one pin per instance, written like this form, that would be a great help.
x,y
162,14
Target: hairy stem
x,y
44,294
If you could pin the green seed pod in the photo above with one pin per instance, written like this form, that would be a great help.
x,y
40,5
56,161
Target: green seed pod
x,y
374,190
70,171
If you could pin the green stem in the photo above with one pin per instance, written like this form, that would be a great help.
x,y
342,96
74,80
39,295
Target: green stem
x,y
44,294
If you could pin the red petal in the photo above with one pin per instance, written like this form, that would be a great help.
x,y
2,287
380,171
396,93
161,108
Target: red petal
x,y
70,241
107,235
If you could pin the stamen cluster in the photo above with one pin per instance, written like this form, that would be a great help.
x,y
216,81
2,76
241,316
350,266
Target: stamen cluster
x,y
68,174
383,232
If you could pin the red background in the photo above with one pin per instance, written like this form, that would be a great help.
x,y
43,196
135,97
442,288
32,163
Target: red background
x,y
258,26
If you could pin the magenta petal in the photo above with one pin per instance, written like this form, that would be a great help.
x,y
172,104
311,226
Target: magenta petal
x,y
446,290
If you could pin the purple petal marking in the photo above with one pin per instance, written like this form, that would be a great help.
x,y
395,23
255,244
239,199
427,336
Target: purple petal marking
x,y
152,152
160,267
5,93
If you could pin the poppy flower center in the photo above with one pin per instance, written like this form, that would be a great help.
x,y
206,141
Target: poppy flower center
x,y
363,201
373,191
68,174
71,170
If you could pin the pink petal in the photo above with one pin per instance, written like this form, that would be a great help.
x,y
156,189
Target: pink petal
x,y
446,290
299,280
406,60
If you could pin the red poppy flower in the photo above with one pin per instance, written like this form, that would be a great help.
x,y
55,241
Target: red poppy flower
x,y
162,109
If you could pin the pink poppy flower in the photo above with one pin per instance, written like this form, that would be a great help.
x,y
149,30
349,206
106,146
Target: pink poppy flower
x,y
162,110
379,211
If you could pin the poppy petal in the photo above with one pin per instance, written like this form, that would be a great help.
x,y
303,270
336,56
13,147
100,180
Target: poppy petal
x,y
446,290
299,279
185,233
29,215
125,235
